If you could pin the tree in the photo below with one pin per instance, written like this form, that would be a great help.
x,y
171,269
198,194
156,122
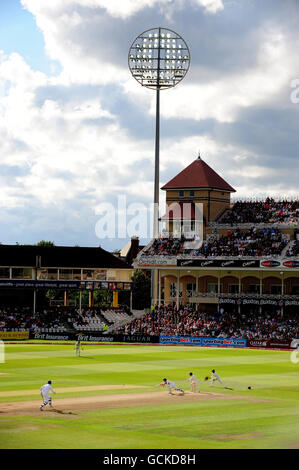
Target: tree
x,y
45,243
141,290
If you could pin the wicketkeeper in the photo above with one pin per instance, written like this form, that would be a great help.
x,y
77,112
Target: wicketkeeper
x,y
215,378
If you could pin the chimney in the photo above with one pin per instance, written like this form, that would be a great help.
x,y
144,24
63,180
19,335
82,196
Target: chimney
x,y
133,251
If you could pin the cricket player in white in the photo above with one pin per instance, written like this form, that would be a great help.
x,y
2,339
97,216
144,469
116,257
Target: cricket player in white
x,y
170,385
215,378
78,348
193,382
45,390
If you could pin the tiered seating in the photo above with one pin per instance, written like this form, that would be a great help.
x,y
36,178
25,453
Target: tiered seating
x,y
166,246
236,243
268,211
89,324
293,250
187,322
115,316
264,242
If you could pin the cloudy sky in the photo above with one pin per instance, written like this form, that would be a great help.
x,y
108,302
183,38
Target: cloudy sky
x,y
77,131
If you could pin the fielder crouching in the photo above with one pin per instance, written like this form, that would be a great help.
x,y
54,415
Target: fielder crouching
x,y
170,385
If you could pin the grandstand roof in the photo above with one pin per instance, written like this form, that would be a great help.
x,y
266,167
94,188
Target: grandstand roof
x,y
60,256
198,175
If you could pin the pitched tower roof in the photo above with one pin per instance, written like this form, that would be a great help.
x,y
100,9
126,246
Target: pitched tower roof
x,y
198,175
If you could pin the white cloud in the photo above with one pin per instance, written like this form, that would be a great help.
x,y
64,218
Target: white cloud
x,y
223,97
75,150
115,8
211,6
67,148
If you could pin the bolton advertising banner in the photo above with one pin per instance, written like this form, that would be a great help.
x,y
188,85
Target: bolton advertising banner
x,y
258,301
202,341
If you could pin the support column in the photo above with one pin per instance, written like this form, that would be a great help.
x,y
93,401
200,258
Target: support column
x,y
34,301
261,293
91,299
218,289
282,291
66,298
115,299
131,301
197,292
178,290
154,286
240,289
80,301
159,286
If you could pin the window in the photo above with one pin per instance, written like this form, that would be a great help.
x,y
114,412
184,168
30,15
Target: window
x,y
212,288
100,274
233,288
190,289
181,193
4,273
53,274
172,290
253,289
17,273
42,274
65,274
28,273
191,193
77,274
111,275
295,290
275,289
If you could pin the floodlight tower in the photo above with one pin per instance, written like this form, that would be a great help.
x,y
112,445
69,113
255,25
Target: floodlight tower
x,y
158,59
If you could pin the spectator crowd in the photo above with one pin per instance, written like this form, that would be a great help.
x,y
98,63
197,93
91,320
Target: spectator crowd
x,y
48,317
166,246
293,250
236,243
171,321
264,242
268,211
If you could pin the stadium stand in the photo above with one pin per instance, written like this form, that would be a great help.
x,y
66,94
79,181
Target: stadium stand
x,y
185,321
268,211
59,319
254,242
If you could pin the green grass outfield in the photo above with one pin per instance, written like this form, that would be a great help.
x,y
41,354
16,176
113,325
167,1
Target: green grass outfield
x,y
265,417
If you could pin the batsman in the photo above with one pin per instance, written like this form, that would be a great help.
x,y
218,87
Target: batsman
x,y
193,383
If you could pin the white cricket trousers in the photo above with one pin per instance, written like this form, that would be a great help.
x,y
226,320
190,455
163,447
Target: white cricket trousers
x,y
47,400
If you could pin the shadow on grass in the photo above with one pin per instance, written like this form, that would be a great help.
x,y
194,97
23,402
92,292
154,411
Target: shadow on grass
x,y
61,412
85,357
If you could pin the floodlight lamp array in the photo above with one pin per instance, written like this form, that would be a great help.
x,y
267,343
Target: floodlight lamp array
x,y
159,58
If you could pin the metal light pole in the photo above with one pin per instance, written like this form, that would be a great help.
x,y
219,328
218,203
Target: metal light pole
x,y
158,59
